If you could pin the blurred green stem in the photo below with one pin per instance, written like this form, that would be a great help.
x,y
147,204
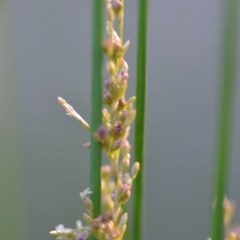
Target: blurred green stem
x,y
226,113
139,152
13,219
96,109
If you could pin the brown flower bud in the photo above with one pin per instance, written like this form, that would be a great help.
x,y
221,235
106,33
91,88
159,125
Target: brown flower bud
x,y
122,75
117,49
113,49
96,223
108,83
117,130
117,6
107,98
121,103
124,193
102,135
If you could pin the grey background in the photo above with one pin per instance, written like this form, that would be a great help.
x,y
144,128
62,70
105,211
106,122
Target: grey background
x,y
45,52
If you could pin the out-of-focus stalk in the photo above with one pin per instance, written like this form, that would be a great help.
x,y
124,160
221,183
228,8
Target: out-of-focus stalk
x,y
13,221
96,112
231,10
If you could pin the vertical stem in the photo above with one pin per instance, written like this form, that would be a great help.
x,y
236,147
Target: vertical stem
x,y
13,220
121,24
139,150
226,113
96,112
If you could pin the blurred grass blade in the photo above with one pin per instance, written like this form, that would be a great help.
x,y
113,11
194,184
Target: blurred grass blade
x,y
96,105
226,113
1,5
139,152
12,218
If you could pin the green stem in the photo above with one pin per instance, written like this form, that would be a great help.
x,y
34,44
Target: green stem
x,y
13,219
139,150
226,113
96,109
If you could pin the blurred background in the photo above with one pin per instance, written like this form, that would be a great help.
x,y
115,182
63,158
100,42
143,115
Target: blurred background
x,y
45,52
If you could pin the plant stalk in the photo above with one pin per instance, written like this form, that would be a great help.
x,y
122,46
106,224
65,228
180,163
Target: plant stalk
x,y
226,114
139,151
96,105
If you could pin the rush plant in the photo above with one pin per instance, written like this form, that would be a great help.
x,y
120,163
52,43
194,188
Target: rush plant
x,y
112,115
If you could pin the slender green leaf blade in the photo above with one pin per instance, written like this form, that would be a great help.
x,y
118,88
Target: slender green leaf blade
x,y
96,105
226,114
139,152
